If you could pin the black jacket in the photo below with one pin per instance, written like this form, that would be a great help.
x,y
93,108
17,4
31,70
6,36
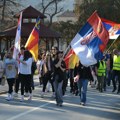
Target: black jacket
x,y
58,71
84,72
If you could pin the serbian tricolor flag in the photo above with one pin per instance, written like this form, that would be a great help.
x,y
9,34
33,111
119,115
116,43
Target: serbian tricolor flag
x,y
71,59
112,27
17,38
90,42
32,42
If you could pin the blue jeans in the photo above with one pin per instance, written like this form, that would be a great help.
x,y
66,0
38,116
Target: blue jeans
x,y
58,90
82,85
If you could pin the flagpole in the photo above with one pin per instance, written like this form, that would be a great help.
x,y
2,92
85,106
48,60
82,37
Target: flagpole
x,y
64,54
111,45
66,51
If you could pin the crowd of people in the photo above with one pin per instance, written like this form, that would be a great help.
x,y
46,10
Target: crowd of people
x,y
51,68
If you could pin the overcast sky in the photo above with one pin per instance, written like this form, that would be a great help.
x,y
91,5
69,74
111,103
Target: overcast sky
x,y
66,4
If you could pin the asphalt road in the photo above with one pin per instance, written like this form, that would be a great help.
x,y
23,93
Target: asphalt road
x,y
100,106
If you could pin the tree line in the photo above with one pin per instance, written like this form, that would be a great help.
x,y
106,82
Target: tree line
x,y
108,9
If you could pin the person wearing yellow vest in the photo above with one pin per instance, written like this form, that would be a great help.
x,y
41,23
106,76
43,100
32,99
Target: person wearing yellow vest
x,y
116,70
101,73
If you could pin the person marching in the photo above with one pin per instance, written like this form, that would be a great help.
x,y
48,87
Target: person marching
x,y
116,70
25,74
83,76
40,63
47,70
18,79
101,73
10,73
58,77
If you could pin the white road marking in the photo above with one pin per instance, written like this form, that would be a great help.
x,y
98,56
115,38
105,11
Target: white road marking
x,y
29,111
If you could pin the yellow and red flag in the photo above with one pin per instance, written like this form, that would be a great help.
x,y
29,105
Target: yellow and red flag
x,y
71,59
33,40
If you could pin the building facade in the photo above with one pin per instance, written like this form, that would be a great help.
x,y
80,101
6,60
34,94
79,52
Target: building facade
x,y
67,16
48,37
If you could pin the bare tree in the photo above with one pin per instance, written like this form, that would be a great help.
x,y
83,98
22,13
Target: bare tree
x,y
6,8
50,9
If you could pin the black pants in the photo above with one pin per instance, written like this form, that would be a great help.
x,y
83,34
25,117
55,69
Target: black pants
x,y
32,82
71,75
75,88
25,83
114,74
10,82
17,83
65,82
46,78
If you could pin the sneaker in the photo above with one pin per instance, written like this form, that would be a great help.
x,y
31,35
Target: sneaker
x,y
15,94
114,90
8,97
26,95
53,95
60,105
22,98
30,97
83,104
11,97
42,94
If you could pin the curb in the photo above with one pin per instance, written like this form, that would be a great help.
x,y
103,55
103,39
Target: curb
x,y
35,84
3,92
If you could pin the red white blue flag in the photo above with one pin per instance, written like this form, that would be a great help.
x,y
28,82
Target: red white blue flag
x,y
17,38
90,42
112,27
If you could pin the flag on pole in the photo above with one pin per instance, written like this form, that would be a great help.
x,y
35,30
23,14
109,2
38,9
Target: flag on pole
x,y
32,42
71,59
112,27
17,38
90,42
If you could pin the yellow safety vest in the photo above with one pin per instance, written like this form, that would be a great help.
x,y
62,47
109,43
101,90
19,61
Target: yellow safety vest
x,y
116,62
102,69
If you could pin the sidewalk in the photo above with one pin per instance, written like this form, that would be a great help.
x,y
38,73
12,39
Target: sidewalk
x,y
4,89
